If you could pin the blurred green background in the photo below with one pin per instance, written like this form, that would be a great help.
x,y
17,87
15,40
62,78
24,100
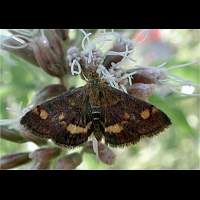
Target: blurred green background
x,y
176,148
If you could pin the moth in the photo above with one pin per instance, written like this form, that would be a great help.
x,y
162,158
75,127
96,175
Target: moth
x,y
98,109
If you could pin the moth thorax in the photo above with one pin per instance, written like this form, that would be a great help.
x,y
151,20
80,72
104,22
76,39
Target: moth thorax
x,y
91,74
94,95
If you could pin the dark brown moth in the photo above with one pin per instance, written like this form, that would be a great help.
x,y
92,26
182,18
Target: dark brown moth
x,y
98,109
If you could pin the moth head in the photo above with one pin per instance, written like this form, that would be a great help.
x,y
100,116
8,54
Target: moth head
x,y
90,74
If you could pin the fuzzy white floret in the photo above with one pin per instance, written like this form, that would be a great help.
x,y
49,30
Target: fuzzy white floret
x,y
75,63
90,45
106,75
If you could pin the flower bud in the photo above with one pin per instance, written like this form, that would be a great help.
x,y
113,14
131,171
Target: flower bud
x,y
70,161
106,155
45,154
14,160
62,33
141,91
73,54
11,135
48,92
41,165
88,148
111,59
33,138
55,43
149,75
44,48
26,53
49,56
118,50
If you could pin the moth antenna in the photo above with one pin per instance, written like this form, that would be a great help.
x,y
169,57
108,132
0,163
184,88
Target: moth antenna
x,y
85,77
124,88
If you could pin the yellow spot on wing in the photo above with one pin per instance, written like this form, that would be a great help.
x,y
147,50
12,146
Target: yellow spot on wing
x,y
154,110
116,128
43,114
145,114
35,110
61,116
73,129
63,123
126,116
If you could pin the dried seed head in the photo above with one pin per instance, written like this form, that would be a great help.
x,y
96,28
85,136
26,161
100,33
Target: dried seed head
x,y
70,161
14,160
45,154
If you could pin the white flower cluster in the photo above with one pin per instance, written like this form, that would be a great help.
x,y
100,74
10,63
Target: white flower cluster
x,y
115,75
93,55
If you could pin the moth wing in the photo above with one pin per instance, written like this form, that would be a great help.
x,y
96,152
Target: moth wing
x,y
128,119
62,119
